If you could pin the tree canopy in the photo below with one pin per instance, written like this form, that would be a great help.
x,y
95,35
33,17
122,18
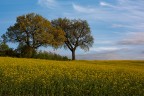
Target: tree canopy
x,y
77,33
32,30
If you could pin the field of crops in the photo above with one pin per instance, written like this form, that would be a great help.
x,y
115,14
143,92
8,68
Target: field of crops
x,y
33,77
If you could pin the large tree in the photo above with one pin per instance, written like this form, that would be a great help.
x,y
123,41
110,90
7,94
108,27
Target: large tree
x,y
32,31
77,33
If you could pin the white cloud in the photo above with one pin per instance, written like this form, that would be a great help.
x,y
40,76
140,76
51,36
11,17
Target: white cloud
x,y
102,49
103,4
106,4
134,38
47,3
111,56
83,9
123,12
134,27
118,26
103,42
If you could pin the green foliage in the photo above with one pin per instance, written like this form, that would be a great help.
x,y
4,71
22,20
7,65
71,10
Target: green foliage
x,y
29,77
77,33
5,50
4,47
32,30
25,51
28,52
49,56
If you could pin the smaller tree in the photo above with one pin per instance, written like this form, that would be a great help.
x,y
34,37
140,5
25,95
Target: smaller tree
x,y
3,46
5,50
77,33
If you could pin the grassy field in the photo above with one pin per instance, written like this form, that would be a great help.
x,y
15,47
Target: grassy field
x,y
33,77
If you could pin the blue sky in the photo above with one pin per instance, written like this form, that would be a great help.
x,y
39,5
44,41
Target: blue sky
x,y
116,25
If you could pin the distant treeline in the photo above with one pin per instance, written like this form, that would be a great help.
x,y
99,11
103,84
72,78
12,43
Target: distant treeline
x,y
5,51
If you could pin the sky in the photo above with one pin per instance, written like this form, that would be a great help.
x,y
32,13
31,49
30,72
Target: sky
x,y
116,25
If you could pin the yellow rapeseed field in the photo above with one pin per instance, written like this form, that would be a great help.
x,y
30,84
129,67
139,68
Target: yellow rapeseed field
x,y
34,77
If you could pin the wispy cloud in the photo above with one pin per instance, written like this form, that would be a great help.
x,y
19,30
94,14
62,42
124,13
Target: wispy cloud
x,y
111,56
128,14
134,38
103,42
83,9
123,11
134,27
47,3
106,4
105,49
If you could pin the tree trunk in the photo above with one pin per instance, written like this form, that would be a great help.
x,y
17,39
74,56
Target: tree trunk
x,y
73,55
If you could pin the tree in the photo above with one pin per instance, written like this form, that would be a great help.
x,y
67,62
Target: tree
x,y
3,46
77,33
32,31
5,50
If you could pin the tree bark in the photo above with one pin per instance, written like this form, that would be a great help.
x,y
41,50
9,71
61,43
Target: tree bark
x,y
73,54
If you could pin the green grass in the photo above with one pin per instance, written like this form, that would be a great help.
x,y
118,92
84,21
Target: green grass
x,y
34,77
